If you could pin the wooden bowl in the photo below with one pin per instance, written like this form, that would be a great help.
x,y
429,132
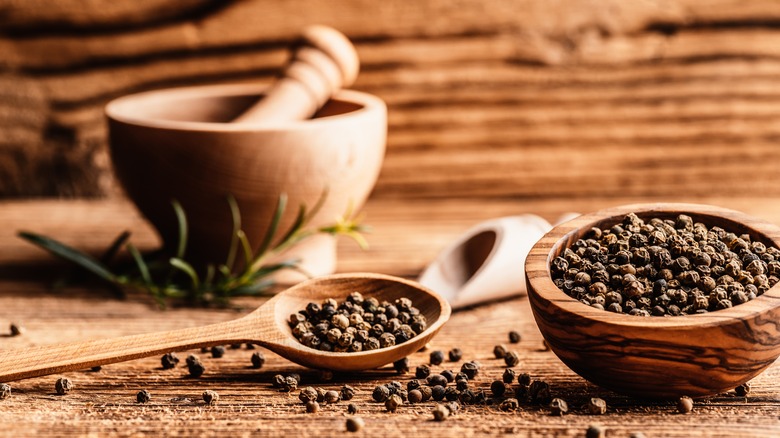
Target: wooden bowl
x,y
656,357
179,144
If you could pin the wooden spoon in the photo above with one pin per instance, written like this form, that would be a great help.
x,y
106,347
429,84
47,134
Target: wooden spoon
x,y
656,357
266,326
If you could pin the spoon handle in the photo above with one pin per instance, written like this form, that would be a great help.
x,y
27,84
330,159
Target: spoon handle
x,y
50,359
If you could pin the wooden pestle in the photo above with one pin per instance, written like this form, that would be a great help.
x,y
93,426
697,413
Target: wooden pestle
x,y
323,62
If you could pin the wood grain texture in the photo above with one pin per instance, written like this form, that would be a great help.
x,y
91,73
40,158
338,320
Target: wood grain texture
x,y
407,235
503,98
700,355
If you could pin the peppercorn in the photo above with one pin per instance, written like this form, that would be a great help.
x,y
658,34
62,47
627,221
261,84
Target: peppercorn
x,y
289,384
217,351
512,359
436,380
16,330
96,369
524,379
450,393
509,404
63,386
455,354
743,389
461,384
258,360
499,351
194,366
352,409
210,397
539,392
312,407
355,424
392,402
508,376
595,431
498,388
449,375
143,396
596,406
169,360
5,391
401,365
307,394
436,357
415,396
437,393
427,393
470,369
684,405
559,407
347,392
332,397
440,413
514,337
422,371
381,393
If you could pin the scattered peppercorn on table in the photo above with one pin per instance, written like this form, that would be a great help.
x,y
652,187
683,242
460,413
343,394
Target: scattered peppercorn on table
x,y
235,397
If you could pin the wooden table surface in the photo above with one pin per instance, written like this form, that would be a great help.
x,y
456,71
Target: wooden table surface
x,y
407,235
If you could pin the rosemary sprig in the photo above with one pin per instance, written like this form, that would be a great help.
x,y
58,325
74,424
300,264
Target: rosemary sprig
x,y
173,279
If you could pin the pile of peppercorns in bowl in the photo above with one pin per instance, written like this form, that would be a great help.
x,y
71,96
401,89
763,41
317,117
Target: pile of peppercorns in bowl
x,y
665,267
622,293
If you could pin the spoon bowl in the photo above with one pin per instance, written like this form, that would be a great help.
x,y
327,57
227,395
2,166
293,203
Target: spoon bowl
x,y
656,357
266,326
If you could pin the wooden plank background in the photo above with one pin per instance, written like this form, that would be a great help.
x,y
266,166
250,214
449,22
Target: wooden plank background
x,y
500,98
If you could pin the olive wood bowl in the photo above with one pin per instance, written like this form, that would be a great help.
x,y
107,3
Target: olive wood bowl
x,y
656,357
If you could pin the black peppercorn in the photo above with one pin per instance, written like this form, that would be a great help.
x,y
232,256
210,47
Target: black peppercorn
x,y
470,369
393,402
743,389
63,386
312,407
217,351
210,397
440,413
16,330
347,392
437,393
352,409
401,366
509,404
455,354
422,371
512,359
5,391
514,337
380,393
595,431
539,392
436,357
332,397
499,351
308,394
258,359
437,380
415,396
449,375
143,396
461,384
684,405
508,376
427,392
169,360
498,388
524,379
450,393
355,424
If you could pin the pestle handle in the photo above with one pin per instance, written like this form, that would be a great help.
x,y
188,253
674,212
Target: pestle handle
x,y
323,62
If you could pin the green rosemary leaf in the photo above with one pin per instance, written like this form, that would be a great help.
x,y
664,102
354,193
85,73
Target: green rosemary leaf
x,y
187,269
181,219
209,275
139,261
235,214
59,249
251,289
272,227
116,245
299,222
245,245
